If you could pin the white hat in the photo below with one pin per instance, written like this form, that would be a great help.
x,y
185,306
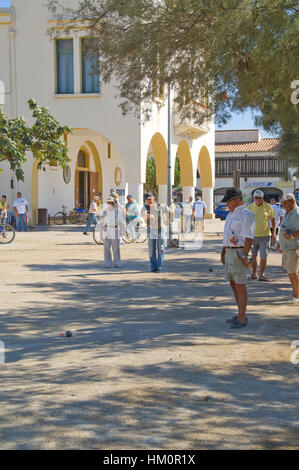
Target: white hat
x,y
258,193
288,197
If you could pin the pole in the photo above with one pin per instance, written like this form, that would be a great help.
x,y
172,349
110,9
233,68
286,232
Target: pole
x,y
169,185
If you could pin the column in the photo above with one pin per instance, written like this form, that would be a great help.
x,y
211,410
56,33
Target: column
x,y
77,64
162,197
208,199
187,192
136,189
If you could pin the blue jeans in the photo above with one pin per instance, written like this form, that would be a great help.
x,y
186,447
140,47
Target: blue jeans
x,y
21,220
92,218
156,248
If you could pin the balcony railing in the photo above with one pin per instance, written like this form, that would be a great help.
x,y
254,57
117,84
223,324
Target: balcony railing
x,y
250,167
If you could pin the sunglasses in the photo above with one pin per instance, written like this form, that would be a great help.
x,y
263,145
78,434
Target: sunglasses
x,y
258,197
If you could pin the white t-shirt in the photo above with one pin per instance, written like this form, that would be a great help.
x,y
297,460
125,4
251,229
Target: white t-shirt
x,y
279,212
239,224
20,204
187,208
198,208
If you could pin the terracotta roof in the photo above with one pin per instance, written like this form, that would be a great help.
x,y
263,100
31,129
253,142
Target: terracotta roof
x,y
265,145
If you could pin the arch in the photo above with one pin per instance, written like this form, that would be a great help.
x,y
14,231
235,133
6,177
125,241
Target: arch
x,y
186,166
205,168
160,152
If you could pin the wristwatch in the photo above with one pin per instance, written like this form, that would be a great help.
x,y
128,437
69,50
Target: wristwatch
x,y
292,236
243,256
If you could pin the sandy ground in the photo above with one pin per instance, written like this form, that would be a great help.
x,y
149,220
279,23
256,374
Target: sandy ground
x,y
152,363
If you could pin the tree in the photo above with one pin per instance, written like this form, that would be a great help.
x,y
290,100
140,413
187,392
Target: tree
x,y
235,54
150,184
177,174
45,139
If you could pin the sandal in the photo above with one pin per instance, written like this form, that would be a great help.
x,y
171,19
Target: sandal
x,y
265,279
237,324
252,276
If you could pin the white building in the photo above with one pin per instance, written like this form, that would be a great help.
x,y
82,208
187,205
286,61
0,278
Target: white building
x,y
106,149
258,161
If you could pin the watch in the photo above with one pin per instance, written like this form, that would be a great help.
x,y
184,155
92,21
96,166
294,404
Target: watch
x,y
243,256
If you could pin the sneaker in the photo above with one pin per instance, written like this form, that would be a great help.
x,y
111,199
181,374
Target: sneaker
x,y
231,320
85,233
293,300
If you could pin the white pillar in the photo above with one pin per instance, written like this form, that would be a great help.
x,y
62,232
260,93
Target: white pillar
x,y
77,64
188,191
136,189
162,197
208,199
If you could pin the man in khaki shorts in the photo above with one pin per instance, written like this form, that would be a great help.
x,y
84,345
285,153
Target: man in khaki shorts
x,y
289,243
237,240
263,213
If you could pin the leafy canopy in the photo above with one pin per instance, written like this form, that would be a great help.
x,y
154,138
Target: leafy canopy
x,y
237,54
45,139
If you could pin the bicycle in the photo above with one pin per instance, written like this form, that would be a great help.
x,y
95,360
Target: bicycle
x,y
140,233
7,233
75,217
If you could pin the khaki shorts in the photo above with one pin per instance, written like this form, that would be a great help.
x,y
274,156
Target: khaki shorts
x,y
290,261
234,268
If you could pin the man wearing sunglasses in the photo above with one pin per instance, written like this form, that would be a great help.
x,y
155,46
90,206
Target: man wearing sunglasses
x,y
263,213
289,243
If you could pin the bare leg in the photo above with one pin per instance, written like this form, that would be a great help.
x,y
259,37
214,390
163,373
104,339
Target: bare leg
x,y
240,293
233,286
294,278
263,264
254,266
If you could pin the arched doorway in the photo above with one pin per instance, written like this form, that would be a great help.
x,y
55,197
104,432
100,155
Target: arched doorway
x,y
88,176
157,158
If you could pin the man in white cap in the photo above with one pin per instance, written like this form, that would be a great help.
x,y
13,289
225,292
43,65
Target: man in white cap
x,y
199,213
289,243
111,221
263,213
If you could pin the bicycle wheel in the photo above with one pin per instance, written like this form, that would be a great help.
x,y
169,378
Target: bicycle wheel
x,y
74,217
97,236
59,218
7,233
141,234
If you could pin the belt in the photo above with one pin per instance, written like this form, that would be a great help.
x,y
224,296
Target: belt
x,y
110,226
233,247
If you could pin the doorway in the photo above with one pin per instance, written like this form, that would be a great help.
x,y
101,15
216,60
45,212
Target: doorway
x,y
86,180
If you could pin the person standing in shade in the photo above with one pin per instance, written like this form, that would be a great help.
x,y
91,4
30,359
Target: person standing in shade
x,y
92,217
237,240
21,212
111,221
263,213
157,219
199,213
289,243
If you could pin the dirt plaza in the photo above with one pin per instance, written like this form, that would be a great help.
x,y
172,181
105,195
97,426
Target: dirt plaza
x,y
151,363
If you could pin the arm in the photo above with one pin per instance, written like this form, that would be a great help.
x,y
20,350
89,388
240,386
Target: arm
x,y
273,221
247,246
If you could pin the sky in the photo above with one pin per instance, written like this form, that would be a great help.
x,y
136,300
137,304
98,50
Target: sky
x,y
243,121
5,3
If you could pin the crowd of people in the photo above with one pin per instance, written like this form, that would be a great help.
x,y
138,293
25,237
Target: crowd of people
x,y
21,212
248,228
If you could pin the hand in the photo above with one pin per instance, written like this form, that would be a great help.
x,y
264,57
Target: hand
x,y
234,241
273,240
245,262
287,235
278,248
223,257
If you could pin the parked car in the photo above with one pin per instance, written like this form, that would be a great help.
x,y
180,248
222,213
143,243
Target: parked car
x,y
221,211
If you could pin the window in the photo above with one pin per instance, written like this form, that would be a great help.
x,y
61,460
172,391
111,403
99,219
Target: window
x,y
82,160
65,66
90,68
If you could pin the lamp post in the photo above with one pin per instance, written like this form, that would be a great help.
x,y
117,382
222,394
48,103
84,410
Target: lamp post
x,y
169,185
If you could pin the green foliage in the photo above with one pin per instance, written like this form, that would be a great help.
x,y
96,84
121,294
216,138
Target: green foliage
x,y
45,139
177,174
239,54
150,184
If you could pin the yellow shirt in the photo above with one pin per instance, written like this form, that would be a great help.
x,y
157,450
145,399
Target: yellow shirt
x,y
263,214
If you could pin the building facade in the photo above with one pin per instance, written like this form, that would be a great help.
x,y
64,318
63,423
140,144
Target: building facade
x,y
107,150
245,159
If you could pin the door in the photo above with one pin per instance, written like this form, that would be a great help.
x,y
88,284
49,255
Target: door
x,y
93,185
